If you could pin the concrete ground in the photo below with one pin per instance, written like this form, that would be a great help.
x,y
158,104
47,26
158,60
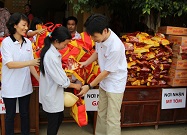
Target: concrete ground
x,y
73,129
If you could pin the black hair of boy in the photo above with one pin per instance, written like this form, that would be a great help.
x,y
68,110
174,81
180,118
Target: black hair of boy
x,y
72,18
96,23
28,6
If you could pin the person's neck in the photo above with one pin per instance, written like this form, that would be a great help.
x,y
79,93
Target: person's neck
x,y
73,33
18,37
107,35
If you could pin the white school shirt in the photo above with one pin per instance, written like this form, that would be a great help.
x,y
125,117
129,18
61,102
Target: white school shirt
x,y
77,36
51,86
111,57
34,37
16,82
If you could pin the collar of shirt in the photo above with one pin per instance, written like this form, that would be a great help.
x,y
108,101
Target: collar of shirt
x,y
76,36
15,41
56,52
108,41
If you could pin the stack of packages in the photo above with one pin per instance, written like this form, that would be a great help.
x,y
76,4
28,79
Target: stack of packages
x,y
148,57
178,70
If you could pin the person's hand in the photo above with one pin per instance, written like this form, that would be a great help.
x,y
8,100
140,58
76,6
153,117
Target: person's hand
x,y
40,32
83,64
77,86
70,78
34,62
83,91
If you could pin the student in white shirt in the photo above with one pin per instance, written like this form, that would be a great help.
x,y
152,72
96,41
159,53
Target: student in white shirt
x,y
17,64
72,27
53,78
110,53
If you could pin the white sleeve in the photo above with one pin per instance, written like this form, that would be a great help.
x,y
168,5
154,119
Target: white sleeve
x,y
54,68
6,52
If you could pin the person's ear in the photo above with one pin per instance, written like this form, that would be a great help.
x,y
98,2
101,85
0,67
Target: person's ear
x,y
105,31
56,41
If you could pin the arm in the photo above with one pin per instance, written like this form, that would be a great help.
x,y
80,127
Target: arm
x,y
91,59
34,72
75,86
22,64
8,60
55,70
32,33
98,79
110,66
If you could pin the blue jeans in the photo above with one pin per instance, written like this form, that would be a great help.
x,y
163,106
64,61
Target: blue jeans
x,y
10,105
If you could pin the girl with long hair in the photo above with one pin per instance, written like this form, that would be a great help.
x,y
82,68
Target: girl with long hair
x,y
53,78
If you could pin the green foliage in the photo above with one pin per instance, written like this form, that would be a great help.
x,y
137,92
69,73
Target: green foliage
x,y
165,7
88,5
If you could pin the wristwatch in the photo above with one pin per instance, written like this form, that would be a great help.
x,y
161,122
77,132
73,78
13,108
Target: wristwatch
x,y
90,87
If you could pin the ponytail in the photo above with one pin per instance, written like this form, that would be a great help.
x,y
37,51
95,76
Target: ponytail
x,y
47,45
60,34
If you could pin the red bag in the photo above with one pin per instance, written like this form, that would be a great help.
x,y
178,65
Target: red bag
x,y
50,28
78,112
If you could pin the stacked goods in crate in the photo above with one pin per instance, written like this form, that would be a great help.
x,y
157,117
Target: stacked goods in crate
x,y
149,58
179,46
178,71
170,30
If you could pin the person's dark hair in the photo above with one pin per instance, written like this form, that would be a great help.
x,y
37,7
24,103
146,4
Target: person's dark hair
x,y
60,34
72,18
14,20
34,22
2,5
28,6
96,23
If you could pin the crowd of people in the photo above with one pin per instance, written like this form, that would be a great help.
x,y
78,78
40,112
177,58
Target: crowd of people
x,y
18,65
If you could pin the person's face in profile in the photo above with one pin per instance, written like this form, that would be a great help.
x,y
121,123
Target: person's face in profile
x,y
71,25
61,45
98,37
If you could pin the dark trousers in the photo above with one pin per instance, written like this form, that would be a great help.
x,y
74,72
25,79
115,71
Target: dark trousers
x,y
54,122
10,105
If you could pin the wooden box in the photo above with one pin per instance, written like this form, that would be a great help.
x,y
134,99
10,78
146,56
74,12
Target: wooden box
x,y
178,73
179,64
177,81
179,40
172,30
